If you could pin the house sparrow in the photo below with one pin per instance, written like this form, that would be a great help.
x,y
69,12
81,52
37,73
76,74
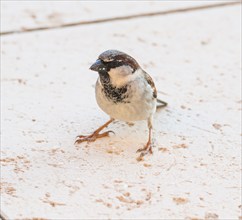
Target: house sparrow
x,y
125,92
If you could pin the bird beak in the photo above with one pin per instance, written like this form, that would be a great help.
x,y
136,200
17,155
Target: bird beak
x,y
96,66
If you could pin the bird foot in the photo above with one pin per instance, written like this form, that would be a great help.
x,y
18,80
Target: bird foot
x,y
92,137
145,150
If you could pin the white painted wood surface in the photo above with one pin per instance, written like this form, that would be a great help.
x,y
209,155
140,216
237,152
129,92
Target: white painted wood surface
x,y
47,98
21,15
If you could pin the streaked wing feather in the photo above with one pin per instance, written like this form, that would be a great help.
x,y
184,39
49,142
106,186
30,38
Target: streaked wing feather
x,y
151,83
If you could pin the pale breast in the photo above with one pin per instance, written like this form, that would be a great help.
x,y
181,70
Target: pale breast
x,y
137,102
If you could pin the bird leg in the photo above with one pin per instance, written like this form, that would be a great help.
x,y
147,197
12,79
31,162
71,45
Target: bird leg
x,y
148,147
95,135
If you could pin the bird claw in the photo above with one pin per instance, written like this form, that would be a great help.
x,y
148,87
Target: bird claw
x,y
145,150
140,150
92,137
83,139
81,136
110,132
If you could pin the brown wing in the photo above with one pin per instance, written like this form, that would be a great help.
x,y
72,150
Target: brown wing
x,y
151,83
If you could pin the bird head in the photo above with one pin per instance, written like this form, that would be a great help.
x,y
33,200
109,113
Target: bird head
x,y
116,65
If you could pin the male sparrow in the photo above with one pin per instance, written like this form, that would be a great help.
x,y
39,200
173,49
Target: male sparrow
x,y
125,92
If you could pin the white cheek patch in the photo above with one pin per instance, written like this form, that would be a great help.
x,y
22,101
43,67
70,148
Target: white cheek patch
x,y
122,75
120,71
119,75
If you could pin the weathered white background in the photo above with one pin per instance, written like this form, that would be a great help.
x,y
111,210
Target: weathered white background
x,y
47,98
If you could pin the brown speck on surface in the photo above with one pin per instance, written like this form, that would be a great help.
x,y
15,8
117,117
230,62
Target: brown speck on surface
x,y
130,124
56,150
7,188
118,181
113,151
52,203
55,17
7,160
72,187
180,201
127,194
119,35
54,165
147,165
139,202
123,199
211,216
99,200
21,81
109,205
183,107
141,40
205,42
182,137
217,126
31,14
47,194
105,186
180,146
140,159
10,190
47,200
129,202
40,141
148,196
163,149
19,163
203,164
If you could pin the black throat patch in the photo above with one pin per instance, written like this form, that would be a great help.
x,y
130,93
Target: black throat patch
x,y
117,95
